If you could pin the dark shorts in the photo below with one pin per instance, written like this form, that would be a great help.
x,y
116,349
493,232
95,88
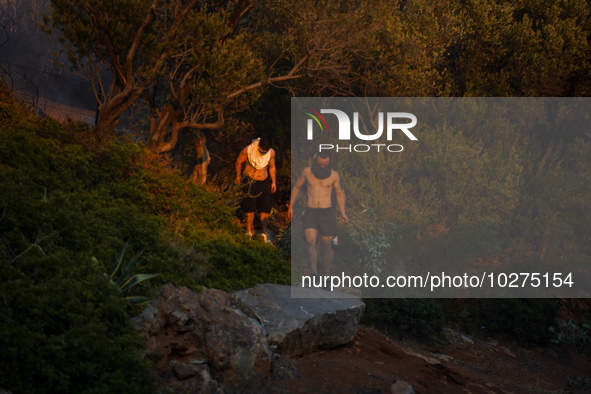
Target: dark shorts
x,y
321,219
257,196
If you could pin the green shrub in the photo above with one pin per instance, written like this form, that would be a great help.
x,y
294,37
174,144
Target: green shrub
x,y
233,266
67,207
121,278
284,243
96,200
10,112
63,328
577,335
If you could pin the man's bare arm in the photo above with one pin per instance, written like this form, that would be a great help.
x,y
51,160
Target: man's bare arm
x,y
239,161
294,193
272,171
341,199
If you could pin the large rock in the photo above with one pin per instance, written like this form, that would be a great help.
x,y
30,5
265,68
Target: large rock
x,y
202,343
296,326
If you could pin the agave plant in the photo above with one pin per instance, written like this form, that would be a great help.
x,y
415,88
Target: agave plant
x,y
121,277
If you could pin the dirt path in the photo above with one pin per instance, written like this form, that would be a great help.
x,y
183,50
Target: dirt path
x,y
372,363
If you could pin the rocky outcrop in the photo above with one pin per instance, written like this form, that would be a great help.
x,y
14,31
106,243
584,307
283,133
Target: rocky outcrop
x,y
299,321
202,343
215,342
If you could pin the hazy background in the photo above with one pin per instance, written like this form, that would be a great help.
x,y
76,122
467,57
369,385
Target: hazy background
x,y
30,64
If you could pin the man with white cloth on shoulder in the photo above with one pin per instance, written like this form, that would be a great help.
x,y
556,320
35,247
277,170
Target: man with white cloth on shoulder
x,y
259,165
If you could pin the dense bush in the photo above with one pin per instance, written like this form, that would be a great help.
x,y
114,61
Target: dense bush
x,y
577,335
233,266
63,328
68,205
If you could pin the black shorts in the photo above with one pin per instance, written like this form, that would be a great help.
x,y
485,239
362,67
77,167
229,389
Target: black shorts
x,y
321,219
257,196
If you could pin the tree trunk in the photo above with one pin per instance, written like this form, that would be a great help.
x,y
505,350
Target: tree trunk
x,y
110,112
105,129
165,121
162,124
199,175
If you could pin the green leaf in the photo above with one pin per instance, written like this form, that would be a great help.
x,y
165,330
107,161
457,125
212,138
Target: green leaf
x,y
118,261
123,275
137,279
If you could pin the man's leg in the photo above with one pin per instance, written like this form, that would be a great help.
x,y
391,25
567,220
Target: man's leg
x,y
264,219
311,234
264,205
249,221
327,253
248,205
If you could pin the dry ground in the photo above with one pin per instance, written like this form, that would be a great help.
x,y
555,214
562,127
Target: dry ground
x,y
373,362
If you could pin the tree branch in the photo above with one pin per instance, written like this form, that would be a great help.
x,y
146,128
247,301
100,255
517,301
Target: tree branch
x,y
179,17
136,43
183,82
241,8
189,124
208,126
288,76
102,33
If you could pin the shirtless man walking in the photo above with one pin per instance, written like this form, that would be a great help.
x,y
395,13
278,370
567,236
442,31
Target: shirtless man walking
x,y
319,216
259,165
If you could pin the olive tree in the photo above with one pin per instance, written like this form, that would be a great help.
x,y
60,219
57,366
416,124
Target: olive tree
x,y
194,60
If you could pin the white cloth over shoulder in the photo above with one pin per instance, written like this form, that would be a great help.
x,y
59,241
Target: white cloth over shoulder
x,y
255,158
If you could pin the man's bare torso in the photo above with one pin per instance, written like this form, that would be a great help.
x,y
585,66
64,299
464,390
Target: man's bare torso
x,y
257,175
320,190
250,171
